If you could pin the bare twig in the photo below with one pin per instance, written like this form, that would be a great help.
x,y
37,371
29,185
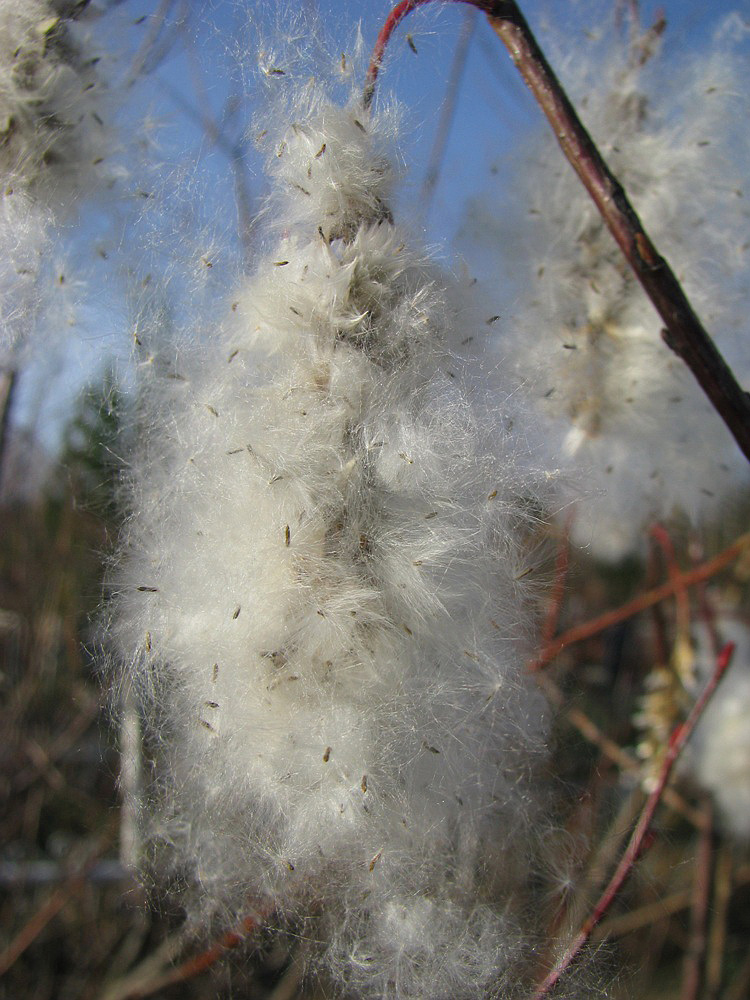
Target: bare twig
x,y
34,927
148,969
682,599
43,759
740,986
8,384
216,132
142,56
639,840
50,908
607,851
647,600
633,920
683,332
696,952
717,935
136,987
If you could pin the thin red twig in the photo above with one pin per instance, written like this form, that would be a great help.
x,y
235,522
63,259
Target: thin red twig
x,y
686,579
393,20
639,840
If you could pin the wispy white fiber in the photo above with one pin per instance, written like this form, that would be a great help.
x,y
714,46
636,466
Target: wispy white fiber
x,y
617,410
318,598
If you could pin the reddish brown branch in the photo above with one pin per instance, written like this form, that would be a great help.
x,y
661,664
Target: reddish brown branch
x,y
682,598
639,839
641,602
683,332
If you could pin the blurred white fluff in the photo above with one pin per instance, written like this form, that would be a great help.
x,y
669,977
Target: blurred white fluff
x,y
52,141
618,411
318,602
719,752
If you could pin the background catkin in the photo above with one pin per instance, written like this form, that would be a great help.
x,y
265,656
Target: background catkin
x,y
54,145
617,412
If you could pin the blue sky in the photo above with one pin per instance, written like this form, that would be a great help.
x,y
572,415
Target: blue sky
x,y
195,68
493,108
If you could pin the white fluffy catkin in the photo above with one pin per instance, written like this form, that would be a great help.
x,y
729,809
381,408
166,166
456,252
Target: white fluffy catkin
x,y
619,413
318,600
52,141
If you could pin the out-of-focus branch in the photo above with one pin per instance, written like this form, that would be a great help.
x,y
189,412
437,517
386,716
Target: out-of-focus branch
x,y
627,763
151,977
642,601
146,49
639,840
447,113
8,381
51,907
696,953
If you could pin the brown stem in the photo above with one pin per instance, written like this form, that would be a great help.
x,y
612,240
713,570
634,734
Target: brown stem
x,y
193,967
718,933
683,332
695,955
8,385
682,598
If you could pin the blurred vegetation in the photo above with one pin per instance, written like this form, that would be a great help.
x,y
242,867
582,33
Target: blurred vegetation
x,y
75,922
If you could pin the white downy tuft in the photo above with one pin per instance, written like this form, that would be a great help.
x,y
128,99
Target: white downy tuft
x,y
318,598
